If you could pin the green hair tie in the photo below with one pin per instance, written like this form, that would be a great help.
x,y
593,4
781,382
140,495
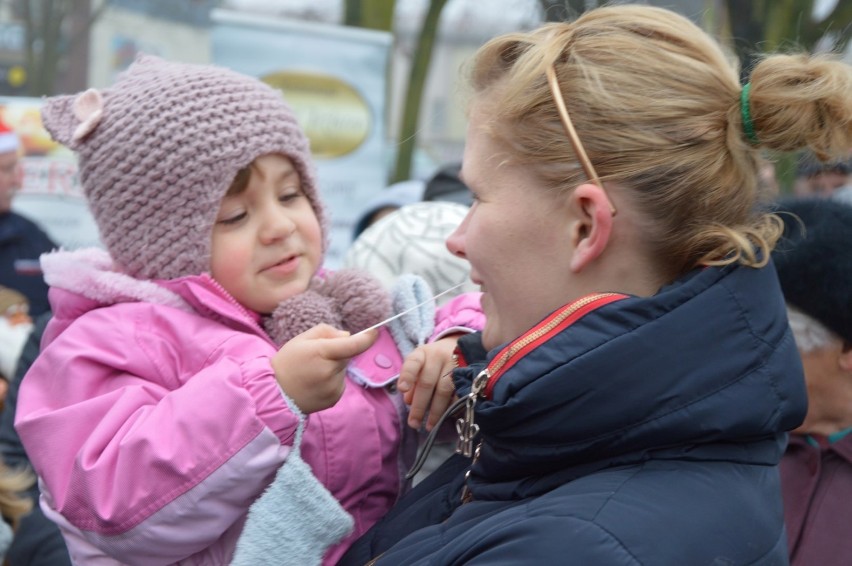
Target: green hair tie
x,y
745,109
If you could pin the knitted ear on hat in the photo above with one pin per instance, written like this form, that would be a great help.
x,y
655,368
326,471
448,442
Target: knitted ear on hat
x,y
814,261
158,150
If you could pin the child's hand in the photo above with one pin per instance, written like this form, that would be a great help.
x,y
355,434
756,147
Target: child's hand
x,y
426,381
311,367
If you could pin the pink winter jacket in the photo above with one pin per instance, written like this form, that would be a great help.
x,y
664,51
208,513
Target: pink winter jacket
x,y
153,419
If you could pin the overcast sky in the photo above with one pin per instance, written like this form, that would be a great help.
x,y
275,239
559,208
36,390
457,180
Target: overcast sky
x,y
500,15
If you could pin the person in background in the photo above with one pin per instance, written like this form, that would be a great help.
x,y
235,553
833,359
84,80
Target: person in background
x,y
15,327
166,415
14,504
814,265
767,178
386,201
821,178
443,186
446,185
629,398
37,540
411,240
843,194
21,239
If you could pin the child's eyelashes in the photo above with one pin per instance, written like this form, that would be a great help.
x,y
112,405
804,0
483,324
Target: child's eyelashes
x,y
231,219
290,196
240,208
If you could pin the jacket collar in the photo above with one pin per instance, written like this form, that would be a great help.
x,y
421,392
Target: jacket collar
x,y
88,279
704,369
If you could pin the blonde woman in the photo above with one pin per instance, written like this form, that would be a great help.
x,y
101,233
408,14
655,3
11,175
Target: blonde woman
x,y
640,374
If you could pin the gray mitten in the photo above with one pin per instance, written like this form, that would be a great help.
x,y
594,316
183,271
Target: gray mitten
x,y
296,520
416,326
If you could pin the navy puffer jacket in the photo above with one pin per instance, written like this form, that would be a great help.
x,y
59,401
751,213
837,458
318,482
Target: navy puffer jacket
x,y
621,430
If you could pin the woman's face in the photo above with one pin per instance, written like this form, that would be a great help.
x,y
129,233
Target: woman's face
x,y
516,237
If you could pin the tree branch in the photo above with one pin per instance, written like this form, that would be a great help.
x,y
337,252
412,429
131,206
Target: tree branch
x,y
414,95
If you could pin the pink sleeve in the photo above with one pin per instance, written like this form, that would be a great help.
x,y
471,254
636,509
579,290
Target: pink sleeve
x,y
461,314
149,426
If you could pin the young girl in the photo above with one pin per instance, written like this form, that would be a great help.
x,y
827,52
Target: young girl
x,y
163,402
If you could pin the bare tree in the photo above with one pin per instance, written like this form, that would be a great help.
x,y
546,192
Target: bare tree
x,y
378,14
564,10
372,14
764,25
55,32
414,95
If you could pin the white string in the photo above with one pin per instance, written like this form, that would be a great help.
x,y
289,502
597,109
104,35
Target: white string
x,y
415,307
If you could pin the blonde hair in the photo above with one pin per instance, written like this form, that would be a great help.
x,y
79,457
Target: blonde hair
x,y
14,503
656,104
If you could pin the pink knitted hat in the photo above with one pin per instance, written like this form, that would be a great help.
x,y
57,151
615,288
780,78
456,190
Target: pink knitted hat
x,y
158,150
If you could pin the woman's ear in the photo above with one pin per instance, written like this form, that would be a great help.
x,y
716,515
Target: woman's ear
x,y
845,358
592,226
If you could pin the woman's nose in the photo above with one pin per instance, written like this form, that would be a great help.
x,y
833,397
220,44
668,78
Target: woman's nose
x,y
455,241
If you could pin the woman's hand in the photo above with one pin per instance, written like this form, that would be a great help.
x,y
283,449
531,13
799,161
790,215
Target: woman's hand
x,y
311,368
426,381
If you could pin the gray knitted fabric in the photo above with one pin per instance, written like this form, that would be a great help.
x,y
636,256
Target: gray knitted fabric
x,y
158,150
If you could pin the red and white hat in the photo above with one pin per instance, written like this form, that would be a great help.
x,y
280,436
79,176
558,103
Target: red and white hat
x,y
9,140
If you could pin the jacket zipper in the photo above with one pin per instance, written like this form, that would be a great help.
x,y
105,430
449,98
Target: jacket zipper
x,y
483,384
554,324
246,314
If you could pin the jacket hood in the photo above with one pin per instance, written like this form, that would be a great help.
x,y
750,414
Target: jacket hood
x,y
91,274
87,279
706,369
